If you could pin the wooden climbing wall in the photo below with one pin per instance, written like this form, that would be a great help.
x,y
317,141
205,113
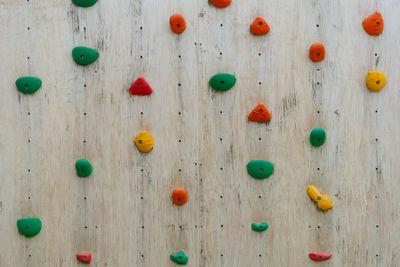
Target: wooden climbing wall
x,y
123,213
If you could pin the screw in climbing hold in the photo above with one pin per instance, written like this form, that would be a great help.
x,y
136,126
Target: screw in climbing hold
x,y
84,3
259,113
317,137
144,141
323,201
319,256
375,80
260,169
179,258
28,84
84,55
83,167
222,81
373,24
179,196
259,26
84,257
259,227
221,3
177,23
317,52
140,87
29,227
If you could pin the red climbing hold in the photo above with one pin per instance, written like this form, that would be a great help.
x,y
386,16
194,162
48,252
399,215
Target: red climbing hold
x,y
260,113
140,87
84,257
319,256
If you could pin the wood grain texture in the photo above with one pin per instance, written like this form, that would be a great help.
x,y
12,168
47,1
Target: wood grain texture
x,y
123,213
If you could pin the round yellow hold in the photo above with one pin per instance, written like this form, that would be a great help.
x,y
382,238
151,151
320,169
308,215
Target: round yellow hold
x,y
375,80
144,141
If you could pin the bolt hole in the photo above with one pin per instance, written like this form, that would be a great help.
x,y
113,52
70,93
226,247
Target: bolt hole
x,y
317,69
141,197
84,141
220,139
29,113
318,227
376,54
259,255
259,54
220,111
259,196
221,197
141,56
317,168
29,197
376,255
29,141
179,84
180,170
180,56
29,28
28,57
29,170
222,255
376,139
309,226
84,198
180,141
85,227
221,168
317,83
179,113
30,255
84,85
141,113
84,114
142,226
141,170
259,138
317,111
377,226
222,25
220,53
376,111
376,168
317,25
141,28
259,82
222,226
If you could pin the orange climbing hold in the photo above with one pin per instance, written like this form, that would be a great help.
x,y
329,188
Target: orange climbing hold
x,y
259,26
260,113
221,3
84,257
179,196
177,23
317,52
373,24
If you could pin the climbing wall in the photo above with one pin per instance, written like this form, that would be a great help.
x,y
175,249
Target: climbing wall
x,y
123,213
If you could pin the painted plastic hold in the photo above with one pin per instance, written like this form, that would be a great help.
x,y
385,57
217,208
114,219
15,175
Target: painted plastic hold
x,y
140,87
259,113
323,201
259,227
373,24
179,258
259,26
84,55
317,52
177,23
260,169
317,137
179,196
319,256
29,226
28,84
84,3
83,168
375,80
84,257
144,141
221,3
222,81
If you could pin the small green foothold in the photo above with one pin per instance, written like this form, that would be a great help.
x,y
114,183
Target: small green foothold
x,y
260,169
317,137
28,84
179,258
259,227
83,167
84,3
29,226
222,81
84,55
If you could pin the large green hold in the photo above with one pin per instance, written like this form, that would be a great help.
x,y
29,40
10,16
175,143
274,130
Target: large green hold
x,y
84,3
28,84
317,137
83,167
259,227
260,169
222,81
84,55
29,226
179,258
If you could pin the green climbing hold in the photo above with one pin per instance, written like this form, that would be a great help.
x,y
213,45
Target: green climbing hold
x,y
28,84
84,3
317,137
260,169
29,226
83,167
222,81
84,55
259,227
179,258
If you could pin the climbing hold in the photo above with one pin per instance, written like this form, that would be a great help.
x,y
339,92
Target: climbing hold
x,y
84,3
373,24
140,87
177,23
319,256
83,167
259,113
221,3
84,257
323,201
259,227
28,84
84,55
179,258
317,52
179,196
259,26
317,137
29,226
144,141
260,169
222,81
375,80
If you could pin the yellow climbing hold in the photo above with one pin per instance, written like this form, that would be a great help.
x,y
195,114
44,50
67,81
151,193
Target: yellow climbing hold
x,y
323,201
144,141
375,80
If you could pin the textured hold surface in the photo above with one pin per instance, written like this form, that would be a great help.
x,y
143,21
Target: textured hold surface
x,y
140,87
84,3
144,141
259,113
260,169
259,26
84,55
179,196
373,24
259,227
177,23
179,258
317,52
84,257
323,201
222,81
317,137
319,256
29,226
83,167
28,84
221,3
375,80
